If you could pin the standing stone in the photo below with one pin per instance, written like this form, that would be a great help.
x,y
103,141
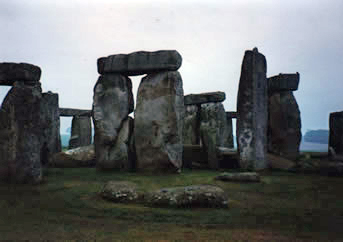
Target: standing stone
x,y
159,118
284,126
252,111
336,132
213,130
21,134
191,125
51,140
112,103
81,132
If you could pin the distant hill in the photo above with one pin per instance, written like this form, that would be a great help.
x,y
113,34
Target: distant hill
x,y
320,136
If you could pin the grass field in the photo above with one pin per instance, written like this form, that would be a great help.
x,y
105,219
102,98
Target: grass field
x,y
283,207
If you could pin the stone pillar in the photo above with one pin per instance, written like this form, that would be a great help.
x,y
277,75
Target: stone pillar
x,y
81,132
336,132
213,130
51,140
112,103
229,138
284,128
191,127
159,118
252,112
21,134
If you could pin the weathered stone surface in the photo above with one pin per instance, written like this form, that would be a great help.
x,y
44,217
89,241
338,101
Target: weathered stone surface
x,y
213,130
193,154
112,102
284,125
79,157
191,125
51,140
252,111
11,72
159,118
190,196
21,135
239,177
283,82
209,97
118,155
121,192
71,112
141,62
81,132
336,132
280,163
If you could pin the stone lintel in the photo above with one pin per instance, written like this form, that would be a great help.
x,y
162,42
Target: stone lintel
x,y
12,72
283,82
201,98
70,112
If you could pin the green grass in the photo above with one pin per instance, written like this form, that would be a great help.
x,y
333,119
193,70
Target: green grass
x,y
282,207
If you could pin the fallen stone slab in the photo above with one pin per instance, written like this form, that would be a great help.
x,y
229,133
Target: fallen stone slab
x,y
70,112
74,158
280,163
208,97
283,82
121,192
11,72
141,62
189,196
239,177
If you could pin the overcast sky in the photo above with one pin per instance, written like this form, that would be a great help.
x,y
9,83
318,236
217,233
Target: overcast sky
x,y
66,37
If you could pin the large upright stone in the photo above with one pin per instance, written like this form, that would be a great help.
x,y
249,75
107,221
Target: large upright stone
x,y
12,72
208,97
191,125
159,122
283,82
51,140
81,132
141,62
284,125
21,134
112,102
213,130
336,132
252,111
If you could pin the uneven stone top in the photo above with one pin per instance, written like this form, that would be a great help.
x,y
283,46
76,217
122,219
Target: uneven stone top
x,y
69,112
141,62
207,97
11,72
284,82
231,115
337,114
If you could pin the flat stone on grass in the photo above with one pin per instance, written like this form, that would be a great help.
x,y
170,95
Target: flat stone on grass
x,y
120,191
189,196
239,177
